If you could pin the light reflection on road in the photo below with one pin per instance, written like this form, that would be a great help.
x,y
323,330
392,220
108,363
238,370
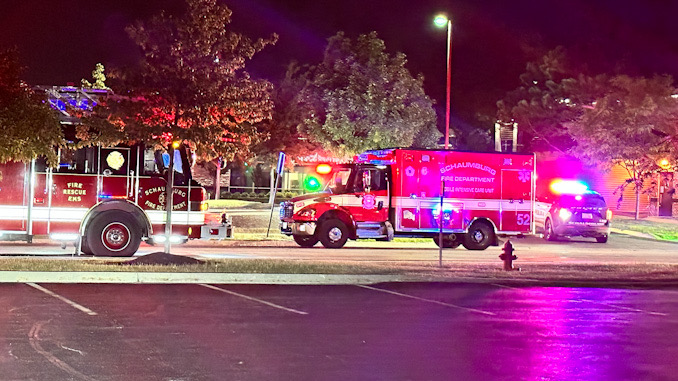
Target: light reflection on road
x,y
579,334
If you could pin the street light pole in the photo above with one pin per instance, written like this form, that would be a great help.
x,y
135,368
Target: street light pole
x,y
441,21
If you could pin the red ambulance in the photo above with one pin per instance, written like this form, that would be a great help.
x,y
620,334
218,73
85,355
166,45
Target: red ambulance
x,y
397,192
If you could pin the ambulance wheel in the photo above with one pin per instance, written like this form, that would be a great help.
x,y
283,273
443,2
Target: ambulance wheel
x,y
447,243
479,236
333,234
602,238
113,234
549,234
305,240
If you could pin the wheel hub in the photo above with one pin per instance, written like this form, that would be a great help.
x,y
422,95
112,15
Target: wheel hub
x,y
115,236
334,234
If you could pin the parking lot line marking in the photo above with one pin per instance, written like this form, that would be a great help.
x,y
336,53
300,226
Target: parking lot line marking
x,y
65,300
427,300
255,299
601,303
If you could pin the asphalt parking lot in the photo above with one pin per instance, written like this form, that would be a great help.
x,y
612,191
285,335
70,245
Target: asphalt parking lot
x,y
386,331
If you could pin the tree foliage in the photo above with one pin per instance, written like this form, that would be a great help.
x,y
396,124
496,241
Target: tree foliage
x,y
361,97
629,125
600,119
559,108
99,78
30,128
191,85
281,132
628,122
538,105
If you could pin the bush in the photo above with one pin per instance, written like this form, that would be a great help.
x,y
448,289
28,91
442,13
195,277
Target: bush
x,y
259,197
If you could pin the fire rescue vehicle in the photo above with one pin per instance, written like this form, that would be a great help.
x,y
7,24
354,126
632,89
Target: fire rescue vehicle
x,y
110,198
397,192
107,200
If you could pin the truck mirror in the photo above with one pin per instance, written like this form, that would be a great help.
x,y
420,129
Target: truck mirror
x,y
367,180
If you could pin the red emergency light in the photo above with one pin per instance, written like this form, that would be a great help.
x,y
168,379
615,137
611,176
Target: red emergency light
x,y
323,169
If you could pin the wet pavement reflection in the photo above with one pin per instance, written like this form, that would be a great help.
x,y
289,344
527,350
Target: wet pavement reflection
x,y
579,334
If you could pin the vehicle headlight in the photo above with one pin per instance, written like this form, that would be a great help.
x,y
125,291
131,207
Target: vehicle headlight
x,y
608,215
564,214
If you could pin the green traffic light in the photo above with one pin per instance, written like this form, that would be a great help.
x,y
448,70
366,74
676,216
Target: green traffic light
x,y
312,184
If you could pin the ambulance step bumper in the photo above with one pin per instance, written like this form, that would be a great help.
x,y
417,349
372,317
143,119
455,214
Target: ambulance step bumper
x,y
374,230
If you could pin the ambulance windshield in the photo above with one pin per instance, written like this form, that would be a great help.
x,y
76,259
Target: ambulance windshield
x,y
339,181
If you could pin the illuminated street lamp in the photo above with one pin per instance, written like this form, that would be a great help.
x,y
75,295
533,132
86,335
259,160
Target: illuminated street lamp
x,y
441,21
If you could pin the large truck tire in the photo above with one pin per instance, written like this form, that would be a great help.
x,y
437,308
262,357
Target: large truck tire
x,y
480,235
333,234
113,234
305,240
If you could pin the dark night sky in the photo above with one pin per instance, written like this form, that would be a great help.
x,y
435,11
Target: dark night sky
x,y
60,42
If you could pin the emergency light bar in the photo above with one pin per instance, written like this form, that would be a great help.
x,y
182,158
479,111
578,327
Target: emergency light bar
x,y
568,187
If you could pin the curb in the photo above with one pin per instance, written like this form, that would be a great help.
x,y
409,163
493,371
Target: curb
x,y
84,277
193,278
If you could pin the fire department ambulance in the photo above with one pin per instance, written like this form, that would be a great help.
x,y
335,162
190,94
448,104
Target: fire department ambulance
x,y
109,198
397,192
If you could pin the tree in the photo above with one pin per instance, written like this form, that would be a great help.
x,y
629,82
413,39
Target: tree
x,y
190,85
281,132
541,105
361,97
190,88
629,126
30,128
99,78
600,119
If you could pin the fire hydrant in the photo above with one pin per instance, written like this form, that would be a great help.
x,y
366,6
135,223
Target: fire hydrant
x,y
507,256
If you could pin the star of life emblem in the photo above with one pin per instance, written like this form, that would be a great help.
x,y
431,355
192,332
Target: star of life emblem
x,y
524,176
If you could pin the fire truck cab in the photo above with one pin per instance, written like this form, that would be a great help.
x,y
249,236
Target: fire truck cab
x,y
471,197
108,200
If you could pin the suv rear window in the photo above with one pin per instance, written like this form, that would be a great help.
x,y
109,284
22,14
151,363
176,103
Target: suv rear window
x,y
590,200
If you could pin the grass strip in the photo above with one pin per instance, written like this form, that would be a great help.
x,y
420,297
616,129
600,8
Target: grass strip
x,y
565,274
254,266
664,231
